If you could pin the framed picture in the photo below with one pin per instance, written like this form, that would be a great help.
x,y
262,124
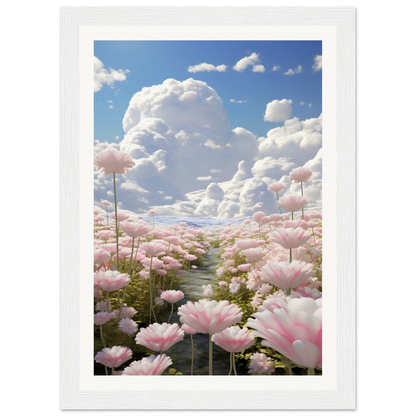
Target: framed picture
x,y
212,151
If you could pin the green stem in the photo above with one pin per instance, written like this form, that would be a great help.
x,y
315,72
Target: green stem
x,y
115,206
235,370
151,295
125,287
210,355
173,277
290,371
171,312
292,216
108,303
311,371
192,356
106,371
231,363
102,336
290,255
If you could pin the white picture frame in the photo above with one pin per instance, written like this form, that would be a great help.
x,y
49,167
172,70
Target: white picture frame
x,y
342,394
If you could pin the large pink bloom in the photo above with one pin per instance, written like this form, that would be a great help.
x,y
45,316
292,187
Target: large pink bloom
x,y
160,337
293,202
111,280
296,335
276,186
290,237
101,256
260,364
112,160
148,366
254,254
172,296
113,357
258,216
135,229
285,275
101,318
302,174
234,339
210,316
153,249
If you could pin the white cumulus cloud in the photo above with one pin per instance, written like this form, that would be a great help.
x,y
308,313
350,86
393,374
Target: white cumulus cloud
x,y
317,66
289,72
104,76
243,63
278,110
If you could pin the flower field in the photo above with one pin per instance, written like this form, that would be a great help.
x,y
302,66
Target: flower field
x,y
261,308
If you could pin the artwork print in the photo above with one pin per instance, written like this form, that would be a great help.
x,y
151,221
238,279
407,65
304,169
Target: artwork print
x,y
207,208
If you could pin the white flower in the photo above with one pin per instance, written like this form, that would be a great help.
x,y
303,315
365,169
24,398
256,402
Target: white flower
x,y
234,287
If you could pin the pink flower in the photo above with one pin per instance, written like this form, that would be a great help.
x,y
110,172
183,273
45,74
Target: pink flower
x,y
172,296
113,357
207,291
190,257
188,330
112,160
153,249
296,335
102,317
302,174
244,267
295,224
245,244
135,229
234,339
160,337
260,364
293,202
112,280
210,316
128,326
148,366
234,288
106,234
101,256
258,216
105,202
285,275
121,215
290,237
254,254
222,284
276,187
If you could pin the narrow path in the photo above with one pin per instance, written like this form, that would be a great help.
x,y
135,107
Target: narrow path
x,y
181,352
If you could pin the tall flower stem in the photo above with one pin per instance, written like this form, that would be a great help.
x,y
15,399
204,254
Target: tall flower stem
x,y
171,312
102,336
192,356
210,355
311,371
290,255
173,278
106,210
151,295
235,370
115,207
292,216
108,303
125,287
231,363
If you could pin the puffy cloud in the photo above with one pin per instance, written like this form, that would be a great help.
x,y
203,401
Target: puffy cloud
x,y
204,67
275,68
278,110
179,136
289,72
243,63
317,66
298,70
297,140
103,76
258,68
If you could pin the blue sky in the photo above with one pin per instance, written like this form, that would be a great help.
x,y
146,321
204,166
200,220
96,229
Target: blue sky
x,y
197,150
151,62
